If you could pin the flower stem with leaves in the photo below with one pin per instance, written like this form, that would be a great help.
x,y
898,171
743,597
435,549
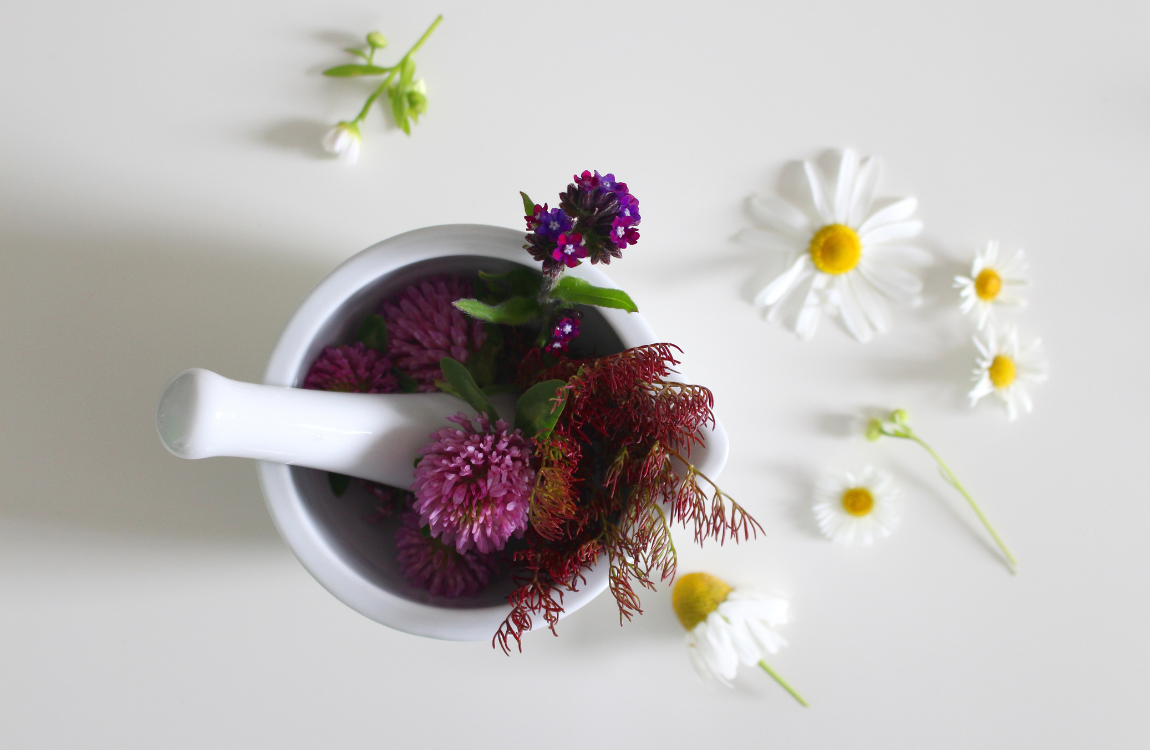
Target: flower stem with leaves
x,y
407,96
896,427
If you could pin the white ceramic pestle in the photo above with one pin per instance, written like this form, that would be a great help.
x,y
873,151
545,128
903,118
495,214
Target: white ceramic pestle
x,y
372,436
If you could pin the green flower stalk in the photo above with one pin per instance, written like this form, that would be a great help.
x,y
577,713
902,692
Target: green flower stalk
x,y
896,426
407,96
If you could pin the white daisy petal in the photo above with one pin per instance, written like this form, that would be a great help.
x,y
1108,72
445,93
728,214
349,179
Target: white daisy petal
x,y
781,216
791,301
901,286
844,185
783,283
896,212
818,192
808,320
853,316
887,232
863,194
874,308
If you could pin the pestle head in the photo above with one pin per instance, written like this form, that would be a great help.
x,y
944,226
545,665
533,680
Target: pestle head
x,y
176,415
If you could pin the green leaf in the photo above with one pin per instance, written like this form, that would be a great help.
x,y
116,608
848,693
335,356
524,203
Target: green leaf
x,y
349,71
528,204
399,108
464,386
521,282
579,292
357,52
407,383
373,333
536,411
514,311
338,483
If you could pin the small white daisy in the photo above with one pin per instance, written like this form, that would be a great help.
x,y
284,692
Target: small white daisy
x,y
343,141
845,257
1007,369
993,280
857,508
725,627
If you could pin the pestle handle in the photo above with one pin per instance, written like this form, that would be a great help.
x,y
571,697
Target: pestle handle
x,y
373,436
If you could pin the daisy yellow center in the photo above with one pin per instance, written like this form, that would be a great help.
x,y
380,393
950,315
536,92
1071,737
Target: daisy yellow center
x,y
836,249
1001,371
858,501
988,284
697,595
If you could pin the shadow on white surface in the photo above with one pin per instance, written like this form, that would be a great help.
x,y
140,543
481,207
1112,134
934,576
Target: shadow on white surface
x,y
302,136
96,320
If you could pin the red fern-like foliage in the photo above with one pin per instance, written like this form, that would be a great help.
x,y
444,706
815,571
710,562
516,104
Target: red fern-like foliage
x,y
612,476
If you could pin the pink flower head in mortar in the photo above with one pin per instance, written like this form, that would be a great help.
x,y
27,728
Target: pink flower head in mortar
x,y
437,567
472,488
351,368
424,327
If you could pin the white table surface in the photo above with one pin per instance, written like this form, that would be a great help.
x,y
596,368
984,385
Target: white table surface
x,y
165,205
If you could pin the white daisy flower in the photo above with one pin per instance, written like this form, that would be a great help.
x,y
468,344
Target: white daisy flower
x,y
857,508
1007,369
994,280
725,627
845,257
343,141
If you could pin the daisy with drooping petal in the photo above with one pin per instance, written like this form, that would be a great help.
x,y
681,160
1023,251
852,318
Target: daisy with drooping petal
x,y
725,627
857,508
846,257
1007,369
994,280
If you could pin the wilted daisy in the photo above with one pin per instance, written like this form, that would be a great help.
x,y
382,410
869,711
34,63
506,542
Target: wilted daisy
x,y
847,256
994,280
857,508
343,141
1007,369
725,627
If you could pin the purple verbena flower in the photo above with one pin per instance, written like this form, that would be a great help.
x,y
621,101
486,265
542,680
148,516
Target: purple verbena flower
x,y
472,487
552,223
564,332
571,249
424,327
628,208
351,368
587,181
438,567
623,234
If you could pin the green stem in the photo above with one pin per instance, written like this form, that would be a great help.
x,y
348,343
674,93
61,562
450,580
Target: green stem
x,y
783,683
958,486
394,69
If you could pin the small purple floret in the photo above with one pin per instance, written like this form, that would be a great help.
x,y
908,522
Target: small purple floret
x,y
571,249
351,368
564,332
472,487
552,223
623,233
